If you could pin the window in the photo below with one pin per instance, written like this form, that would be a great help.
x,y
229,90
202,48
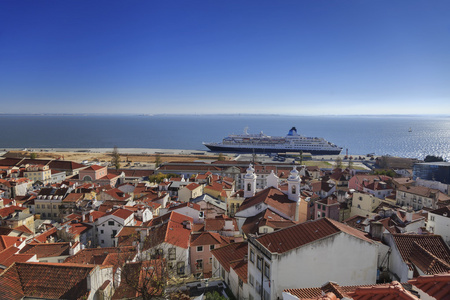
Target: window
x,y
267,270
318,206
249,187
172,253
48,206
199,248
293,189
266,295
114,233
252,256
431,218
110,222
211,247
210,260
43,215
258,287
38,206
266,230
180,268
360,198
54,214
323,215
259,263
251,280
223,273
241,283
54,206
102,241
199,264
101,231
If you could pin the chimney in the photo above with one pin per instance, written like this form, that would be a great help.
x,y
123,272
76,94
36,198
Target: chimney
x,y
408,217
376,230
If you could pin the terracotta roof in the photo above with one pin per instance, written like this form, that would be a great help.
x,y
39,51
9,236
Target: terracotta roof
x,y
45,280
230,253
94,168
6,211
47,249
190,204
208,238
273,197
393,291
437,286
302,234
98,255
171,228
443,211
6,241
218,223
434,254
23,228
42,238
73,197
108,177
192,186
265,218
360,292
122,213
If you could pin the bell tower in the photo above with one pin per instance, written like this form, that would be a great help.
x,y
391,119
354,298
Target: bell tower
x,y
249,182
294,181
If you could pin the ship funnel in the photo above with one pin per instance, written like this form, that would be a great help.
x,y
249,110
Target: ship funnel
x,y
293,131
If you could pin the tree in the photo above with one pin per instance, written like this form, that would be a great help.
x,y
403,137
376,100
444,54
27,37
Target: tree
x,y
33,155
301,157
350,164
432,158
157,160
115,160
221,157
338,162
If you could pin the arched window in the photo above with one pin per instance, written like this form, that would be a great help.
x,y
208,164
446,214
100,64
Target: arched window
x,y
249,187
293,189
87,178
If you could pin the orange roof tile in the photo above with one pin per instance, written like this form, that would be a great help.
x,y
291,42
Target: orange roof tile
x,y
301,234
46,249
437,286
230,253
45,280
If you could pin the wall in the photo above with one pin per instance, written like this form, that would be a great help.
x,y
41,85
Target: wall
x,y
341,258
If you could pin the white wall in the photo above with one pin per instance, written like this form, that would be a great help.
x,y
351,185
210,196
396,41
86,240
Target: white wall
x,y
341,258
439,225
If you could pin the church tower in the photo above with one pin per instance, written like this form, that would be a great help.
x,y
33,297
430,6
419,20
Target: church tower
x,y
294,185
249,182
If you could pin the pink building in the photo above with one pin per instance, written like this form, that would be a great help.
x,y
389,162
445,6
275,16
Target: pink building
x,y
200,252
327,208
92,173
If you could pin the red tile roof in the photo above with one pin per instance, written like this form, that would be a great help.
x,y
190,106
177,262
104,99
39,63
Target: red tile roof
x,y
174,230
190,204
208,238
98,255
230,253
434,254
192,186
265,218
45,280
302,234
6,241
437,286
42,238
393,291
6,211
274,198
47,249
94,167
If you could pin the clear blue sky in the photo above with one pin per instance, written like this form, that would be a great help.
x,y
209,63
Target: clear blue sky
x,y
225,56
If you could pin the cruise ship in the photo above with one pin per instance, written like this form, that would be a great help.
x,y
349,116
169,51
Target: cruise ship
x,y
264,144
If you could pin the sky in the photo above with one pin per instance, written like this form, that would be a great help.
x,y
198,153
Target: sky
x,y
295,57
